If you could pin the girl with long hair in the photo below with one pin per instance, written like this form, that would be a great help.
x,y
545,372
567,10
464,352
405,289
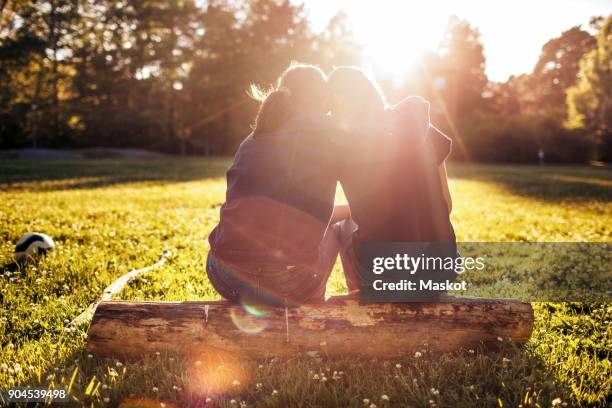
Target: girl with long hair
x,y
280,197
392,170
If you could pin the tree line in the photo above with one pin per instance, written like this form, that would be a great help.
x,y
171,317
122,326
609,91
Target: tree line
x,y
171,76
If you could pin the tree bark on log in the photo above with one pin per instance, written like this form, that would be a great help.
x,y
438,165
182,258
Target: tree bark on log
x,y
336,328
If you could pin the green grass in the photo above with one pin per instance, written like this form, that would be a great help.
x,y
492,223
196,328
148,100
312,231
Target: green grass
x,y
108,217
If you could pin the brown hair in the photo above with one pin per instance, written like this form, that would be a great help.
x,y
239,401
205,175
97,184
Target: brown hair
x,y
361,97
300,88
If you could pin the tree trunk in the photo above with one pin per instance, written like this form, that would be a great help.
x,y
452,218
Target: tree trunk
x,y
338,327
53,37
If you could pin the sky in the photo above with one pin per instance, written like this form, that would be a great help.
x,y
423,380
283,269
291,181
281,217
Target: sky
x,y
513,32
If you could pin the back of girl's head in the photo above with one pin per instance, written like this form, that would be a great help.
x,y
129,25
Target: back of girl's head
x,y
356,95
301,88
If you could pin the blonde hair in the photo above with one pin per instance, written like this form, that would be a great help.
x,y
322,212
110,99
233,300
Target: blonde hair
x,y
300,88
361,96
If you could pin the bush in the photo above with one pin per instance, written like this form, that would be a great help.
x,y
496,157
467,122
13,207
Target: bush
x,y
517,139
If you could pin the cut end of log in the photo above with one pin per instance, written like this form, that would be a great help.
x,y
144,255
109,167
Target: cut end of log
x,y
340,327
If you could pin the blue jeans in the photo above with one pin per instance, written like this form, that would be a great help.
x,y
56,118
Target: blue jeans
x,y
283,285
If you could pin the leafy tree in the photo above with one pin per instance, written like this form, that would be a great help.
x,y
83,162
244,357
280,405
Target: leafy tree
x,y
336,45
556,70
504,98
460,69
589,102
35,53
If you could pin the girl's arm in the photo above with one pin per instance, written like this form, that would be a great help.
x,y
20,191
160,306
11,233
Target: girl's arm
x,y
445,190
341,212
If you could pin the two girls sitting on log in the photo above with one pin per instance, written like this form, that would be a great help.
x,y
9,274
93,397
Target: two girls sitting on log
x,y
279,232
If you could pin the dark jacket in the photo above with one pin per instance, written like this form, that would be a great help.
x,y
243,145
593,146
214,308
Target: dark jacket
x,y
280,195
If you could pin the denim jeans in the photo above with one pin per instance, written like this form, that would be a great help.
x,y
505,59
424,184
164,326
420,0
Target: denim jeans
x,y
275,284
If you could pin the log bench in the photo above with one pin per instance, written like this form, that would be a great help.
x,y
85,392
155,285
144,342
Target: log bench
x,y
339,327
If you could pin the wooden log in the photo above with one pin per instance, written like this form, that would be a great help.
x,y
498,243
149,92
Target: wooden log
x,y
336,328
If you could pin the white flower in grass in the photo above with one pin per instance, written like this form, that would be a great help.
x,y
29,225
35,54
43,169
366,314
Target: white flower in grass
x,y
104,386
274,392
384,397
258,386
236,383
366,401
50,377
233,402
315,377
157,353
208,399
556,402
199,363
119,364
323,379
398,365
500,339
372,405
434,391
90,356
471,351
418,354
260,366
106,399
155,389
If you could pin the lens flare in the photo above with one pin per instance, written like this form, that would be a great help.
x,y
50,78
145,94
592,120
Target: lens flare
x,y
213,371
248,319
145,403
254,310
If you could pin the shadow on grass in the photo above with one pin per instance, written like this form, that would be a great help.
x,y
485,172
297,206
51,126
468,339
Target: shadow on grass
x,y
11,266
85,174
546,183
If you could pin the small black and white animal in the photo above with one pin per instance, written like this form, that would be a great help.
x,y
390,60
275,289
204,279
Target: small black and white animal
x,y
32,245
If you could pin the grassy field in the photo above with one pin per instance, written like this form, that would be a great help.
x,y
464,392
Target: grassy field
x,y
108,217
